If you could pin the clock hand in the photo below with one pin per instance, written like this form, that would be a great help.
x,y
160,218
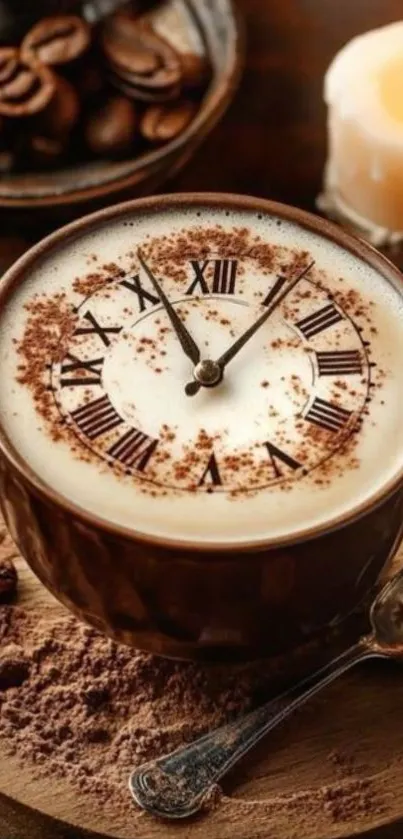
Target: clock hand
x,y
193,387
187,343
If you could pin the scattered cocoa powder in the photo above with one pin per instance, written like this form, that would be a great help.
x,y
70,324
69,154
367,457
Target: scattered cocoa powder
x,y
75,704
52,325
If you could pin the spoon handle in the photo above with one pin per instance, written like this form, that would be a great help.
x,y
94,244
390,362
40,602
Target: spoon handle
x,y
175,786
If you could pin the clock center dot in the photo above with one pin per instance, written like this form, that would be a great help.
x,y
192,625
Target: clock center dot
x,y
208,373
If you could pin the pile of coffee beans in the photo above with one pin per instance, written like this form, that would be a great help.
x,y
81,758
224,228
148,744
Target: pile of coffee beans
x,y
71,92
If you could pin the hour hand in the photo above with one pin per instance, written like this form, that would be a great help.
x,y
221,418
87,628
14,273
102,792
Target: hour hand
x,y
186,341
193,387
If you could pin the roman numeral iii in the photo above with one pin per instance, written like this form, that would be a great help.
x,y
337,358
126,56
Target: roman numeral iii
x,y
133,449
339,363
328,416
222,279
319,321
96,418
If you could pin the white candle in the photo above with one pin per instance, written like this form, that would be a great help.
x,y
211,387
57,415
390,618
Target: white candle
x,y
364,94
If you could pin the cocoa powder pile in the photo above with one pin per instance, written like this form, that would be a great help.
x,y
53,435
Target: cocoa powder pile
x,y
75,706
75,703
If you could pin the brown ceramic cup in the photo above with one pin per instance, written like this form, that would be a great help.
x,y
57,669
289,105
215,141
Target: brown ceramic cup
x,y
187,598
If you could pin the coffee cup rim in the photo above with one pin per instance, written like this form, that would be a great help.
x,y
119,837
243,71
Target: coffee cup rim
x,y
226,201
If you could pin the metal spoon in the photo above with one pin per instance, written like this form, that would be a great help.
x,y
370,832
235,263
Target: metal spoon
x,y
175,786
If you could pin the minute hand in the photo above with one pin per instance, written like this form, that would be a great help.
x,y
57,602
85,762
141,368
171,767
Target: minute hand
x,y
242,340
186,341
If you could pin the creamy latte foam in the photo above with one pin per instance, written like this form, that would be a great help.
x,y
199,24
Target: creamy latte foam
x,y
100,398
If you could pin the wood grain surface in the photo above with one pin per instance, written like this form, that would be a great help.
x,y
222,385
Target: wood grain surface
x,y
272,144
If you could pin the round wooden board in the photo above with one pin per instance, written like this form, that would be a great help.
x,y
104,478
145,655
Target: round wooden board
x,y
300,782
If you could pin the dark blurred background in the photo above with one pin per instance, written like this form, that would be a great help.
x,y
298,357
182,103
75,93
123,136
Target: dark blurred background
x,y
272,143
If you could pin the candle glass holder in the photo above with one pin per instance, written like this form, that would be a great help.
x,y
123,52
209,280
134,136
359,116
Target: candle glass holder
x,y
332,205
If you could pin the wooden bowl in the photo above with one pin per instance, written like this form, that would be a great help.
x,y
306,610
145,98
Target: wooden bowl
x,y
195,24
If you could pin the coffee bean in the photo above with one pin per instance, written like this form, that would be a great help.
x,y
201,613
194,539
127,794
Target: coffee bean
x,y
62,113
110,128
7,164
196,70
45,152
142,63
161,123
26,86
57,40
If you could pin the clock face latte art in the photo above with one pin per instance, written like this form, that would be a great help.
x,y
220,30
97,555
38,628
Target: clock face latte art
x,y
205,375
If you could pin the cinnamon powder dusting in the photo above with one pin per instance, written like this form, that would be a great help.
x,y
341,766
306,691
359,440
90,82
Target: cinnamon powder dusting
x,y
52,321
49,328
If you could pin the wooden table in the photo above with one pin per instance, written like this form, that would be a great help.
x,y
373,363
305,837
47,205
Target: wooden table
x,y
272,141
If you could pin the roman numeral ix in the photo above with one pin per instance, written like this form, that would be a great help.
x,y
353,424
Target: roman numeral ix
x,y
102,331
339,363
144,297
96,418
90,372
223,277
133,449
319,321
328,416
